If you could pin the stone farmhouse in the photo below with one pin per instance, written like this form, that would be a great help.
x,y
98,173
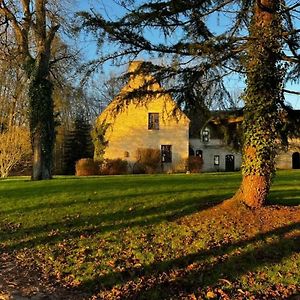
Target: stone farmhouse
x,y
154,120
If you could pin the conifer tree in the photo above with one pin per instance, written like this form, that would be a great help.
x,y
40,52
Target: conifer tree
x,y
78,144
253,43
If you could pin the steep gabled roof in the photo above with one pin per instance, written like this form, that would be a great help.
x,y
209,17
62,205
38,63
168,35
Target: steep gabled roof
x,y
141,89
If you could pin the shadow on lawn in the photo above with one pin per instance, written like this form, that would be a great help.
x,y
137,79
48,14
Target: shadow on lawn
x,y
191,273
284,197
75,226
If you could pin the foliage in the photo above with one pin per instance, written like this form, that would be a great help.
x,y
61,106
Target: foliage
x,y
195,164
34,24
153,236
148,159
114,167
41,121
258,39
263,96
77,144
14,147
99,141
87,167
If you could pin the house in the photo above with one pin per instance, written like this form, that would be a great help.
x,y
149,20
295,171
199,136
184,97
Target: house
x,y
153,120
149,121
290,158
220,155
218,152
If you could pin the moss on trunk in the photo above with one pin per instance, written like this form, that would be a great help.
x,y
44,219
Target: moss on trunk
x,y
262,98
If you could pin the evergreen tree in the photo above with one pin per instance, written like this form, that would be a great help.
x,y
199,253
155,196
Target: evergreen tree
x,y
253,43
78,144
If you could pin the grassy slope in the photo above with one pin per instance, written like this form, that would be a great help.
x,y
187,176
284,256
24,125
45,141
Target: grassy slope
x,y
155,236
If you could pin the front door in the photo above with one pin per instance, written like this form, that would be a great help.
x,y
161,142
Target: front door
x,y
296,160
229,163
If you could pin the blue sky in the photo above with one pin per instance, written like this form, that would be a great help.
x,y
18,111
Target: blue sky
x,y
109,8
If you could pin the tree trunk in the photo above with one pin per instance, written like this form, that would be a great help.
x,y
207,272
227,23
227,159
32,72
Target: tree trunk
x,y
262,97
41,118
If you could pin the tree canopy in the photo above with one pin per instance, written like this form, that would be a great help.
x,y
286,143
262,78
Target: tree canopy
x,y
259,39
201,42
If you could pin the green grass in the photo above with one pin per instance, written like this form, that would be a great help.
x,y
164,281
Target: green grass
x,y
149,236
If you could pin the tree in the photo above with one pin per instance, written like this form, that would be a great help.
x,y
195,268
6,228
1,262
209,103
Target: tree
x,y
14,146
12,92
253,43
78,144
34,30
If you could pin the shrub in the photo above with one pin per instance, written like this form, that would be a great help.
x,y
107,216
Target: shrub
x,y
14,148
195,164
149,159
138,168
87,167
114,167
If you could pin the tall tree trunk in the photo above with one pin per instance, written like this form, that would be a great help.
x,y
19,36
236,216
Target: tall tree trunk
x,y
262,96
42,129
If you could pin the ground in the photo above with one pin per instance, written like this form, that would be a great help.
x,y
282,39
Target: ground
x,y
219,250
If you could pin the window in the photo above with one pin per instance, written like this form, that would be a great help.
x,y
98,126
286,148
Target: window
x,y
199,153
217,160
205,135
166,153
153,121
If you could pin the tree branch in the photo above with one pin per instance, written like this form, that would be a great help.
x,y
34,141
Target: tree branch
x,y
291,92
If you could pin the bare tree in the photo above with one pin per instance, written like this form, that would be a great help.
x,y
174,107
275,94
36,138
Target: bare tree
x,y
14,146
34,28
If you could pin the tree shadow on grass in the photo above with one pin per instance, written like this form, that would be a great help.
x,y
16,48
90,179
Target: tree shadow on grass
x,y
284,197
72,227
195,272
102,183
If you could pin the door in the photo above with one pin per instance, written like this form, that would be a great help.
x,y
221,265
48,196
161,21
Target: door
x,y
229,163
296,160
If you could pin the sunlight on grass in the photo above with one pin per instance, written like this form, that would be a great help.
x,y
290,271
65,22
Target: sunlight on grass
x,y
103,232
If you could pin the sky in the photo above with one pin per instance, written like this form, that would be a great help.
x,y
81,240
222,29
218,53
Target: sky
x,y
235,84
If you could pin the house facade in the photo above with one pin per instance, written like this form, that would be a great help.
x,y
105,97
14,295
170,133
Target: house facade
x,y
151,121
218,156
215,154
290,158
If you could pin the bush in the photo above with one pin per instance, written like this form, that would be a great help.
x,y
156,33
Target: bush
x,y
138,168
14,148
114,167
195,164
86,167
148,159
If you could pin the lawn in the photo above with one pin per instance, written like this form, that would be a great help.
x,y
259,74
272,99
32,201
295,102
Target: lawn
x,y
154,236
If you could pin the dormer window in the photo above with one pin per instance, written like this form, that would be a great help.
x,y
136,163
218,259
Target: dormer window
x,y
153,121
205,135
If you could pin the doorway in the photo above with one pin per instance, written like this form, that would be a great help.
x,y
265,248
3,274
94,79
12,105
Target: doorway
x,y
229,163
296,160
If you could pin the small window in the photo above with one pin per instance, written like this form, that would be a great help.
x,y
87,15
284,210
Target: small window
x,y
217,160
126,154
166,153
205,135
153,121
199,153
